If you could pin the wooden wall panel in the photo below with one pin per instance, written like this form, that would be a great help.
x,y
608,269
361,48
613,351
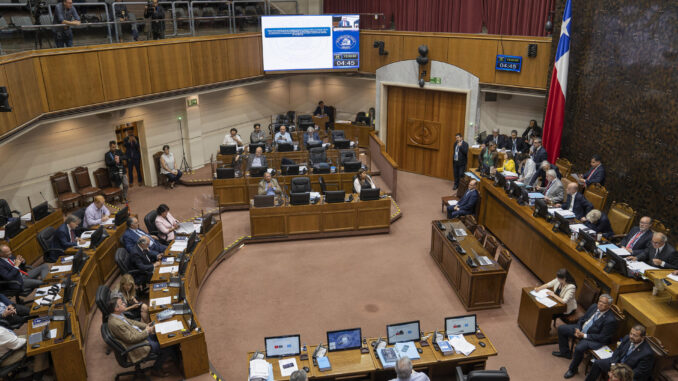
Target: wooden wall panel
x,y
7,119
125,73
535,69
209,60
467,53
424,148
370,60
28,91
170,67
437,47
245,57
72,80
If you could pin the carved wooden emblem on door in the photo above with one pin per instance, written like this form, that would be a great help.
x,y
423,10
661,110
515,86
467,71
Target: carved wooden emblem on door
x,y
423,133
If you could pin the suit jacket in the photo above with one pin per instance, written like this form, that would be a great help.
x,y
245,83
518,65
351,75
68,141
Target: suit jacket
x,y
501,140
641,360
643,242
321,111
132,149
315,137
62,239
555,191
463,153
520,144
601,330
541,173
113,171
540,155
597,177
130,238
129,336
536,131
9,272
251,157
468,201
667,254
263,186
138,260
581,205
602,226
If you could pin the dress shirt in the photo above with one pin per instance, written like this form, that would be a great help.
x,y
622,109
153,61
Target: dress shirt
x,y
456,152
283,138
571,202
230,141
3,307
256,162
118,316
415,376
9,341
94,215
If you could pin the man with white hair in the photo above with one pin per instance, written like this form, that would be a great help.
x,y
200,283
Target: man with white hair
x,y
553,191
310,136
541,173
660,254
404,371
499,140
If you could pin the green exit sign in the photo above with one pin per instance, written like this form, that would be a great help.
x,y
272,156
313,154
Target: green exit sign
x,y
192,102
436,80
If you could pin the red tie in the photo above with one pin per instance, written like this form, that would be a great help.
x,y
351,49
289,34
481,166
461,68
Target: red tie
x,y
548,186
634,239
72,235
11,262
591,174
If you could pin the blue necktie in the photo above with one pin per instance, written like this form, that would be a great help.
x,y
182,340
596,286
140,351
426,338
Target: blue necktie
x,y
590,322
628,353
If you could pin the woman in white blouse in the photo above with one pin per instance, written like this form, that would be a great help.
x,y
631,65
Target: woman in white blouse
x,y
563,290
168,166
166,223
361,180
527,168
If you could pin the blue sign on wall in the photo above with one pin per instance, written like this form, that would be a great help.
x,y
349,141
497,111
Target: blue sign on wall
x,y
509,63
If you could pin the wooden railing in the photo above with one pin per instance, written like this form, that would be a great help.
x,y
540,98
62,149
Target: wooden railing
x,y
387,166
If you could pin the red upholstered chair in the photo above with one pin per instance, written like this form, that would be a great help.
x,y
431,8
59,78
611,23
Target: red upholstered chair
x,y
102,181
62,189
83,184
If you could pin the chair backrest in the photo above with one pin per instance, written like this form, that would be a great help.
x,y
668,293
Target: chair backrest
x,y
470,222
149,220
504,259
45,237
122,259
480,233
80,213
323,186
156,159
101,299
115,345
463,186
622,329
488,375
657,346
589,294
300,185
318,155
346,155
564,166
60,183
101,178
81,178
5,212
597,195
659,227
621,217
491,243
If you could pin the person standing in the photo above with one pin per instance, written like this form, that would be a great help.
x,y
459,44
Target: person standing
x,y
133,153
116,170
65,13
157,14
459,159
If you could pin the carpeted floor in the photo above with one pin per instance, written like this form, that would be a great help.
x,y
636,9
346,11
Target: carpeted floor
x,y
310,287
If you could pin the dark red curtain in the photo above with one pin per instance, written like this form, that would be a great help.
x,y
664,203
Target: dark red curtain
x,y
452,16
522,18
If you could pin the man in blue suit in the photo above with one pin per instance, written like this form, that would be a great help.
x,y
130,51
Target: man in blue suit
x,y
141,259
132,234
595,175
10,269
539,153
467,203
13,313
593,330
639,237
598,221
634,351
575,202
65,237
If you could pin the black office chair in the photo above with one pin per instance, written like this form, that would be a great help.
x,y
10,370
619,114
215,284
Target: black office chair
x,y
300,185
122,260
101,299
13,325
483,375
6,212
323,186
348,160
8,372
149,220
45,238
318,158
121,354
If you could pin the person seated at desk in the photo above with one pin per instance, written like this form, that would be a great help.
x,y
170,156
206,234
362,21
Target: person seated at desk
x,y
140,258
533,130
541,173
404,371
467,204
498,140
257,136
299,375
514,144
310,136
553,191
10,269
96,213
538,152
562,289
659,254
527,168
598,221
9,341
269,186
595,175
132,234
639,237
362,180
594,330
634,351
489,157
321,109
232,138
168,166
128,292
575,202
509,164
13,313
65,237
130,332
282,136
257,160
166,223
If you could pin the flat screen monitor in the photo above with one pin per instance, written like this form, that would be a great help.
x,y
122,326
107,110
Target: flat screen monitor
x,y
514,190
335,196
499,180
264,200
206,224
290,169
344,339
541,209
225,173
40,211
310,42
79,260
397,333
68,286
228,149
321,169
257,171
616,263
12,228
342,144
587,242
254,146
369,194
285,147
97,237
352,166
302,198
363,119
460,325
121,216
313,144
562,224
282,346
524,196
191,242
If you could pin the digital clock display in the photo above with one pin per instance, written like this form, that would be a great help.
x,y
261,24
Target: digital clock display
x,y
509,63
346,60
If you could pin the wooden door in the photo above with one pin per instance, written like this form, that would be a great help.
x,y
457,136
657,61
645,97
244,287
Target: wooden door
x,y
421,128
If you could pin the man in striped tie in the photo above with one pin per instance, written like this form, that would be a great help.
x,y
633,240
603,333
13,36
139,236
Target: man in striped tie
x,y
639,237
634,351
593,330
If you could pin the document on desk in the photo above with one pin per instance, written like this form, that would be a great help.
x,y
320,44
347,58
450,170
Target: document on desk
x,y
578,227
639,266
484,260
603,352
564,213
108,222
548,302
452,202
67,259
178,246
259,368
615,249
540,294
460,232
87,234
672,277
47,300
287,366
169,326
60,269
472,175
510,174
535,195
186,228
168,269
407,348
84,245
26,217
166,300
460,344
168,260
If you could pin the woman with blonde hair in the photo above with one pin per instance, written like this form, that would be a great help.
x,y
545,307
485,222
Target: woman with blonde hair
x,y
128,292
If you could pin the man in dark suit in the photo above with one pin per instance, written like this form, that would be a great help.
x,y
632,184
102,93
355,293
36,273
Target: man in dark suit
x,y
132,235
659,254
593,330
467,203
10,269
544,166
11,312
575,202
595,175
116,170
133,154
539,153
459,159
634,351
321,109
499,140
639,237
598,221
515,144
140,258
65,237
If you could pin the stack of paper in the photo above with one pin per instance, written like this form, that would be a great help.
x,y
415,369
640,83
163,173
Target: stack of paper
x,y
548,302
615,249
186,228
26,217
536,195
387,356
169,326
84,245
452,202
460,344
484,260
259,369
673,277
603,352
639,266
577,227
161,301
565,213
108,222
168,269
60,269
407,349
47,300
445,347
179,246
540,294
287,366
67,259
460,232
168,260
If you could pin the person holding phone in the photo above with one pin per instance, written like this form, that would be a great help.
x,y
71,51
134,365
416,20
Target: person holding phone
x,y
135,308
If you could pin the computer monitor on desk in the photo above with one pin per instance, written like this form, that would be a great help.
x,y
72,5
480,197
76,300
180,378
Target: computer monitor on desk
x,y
514,190
352,166
290,169
301,198
264,201
225,173
228,149
336,196
587,242
313,144
616,263
282,346
254,146
285,147
541,209
12,228
121,216
79,260
369,194
397,333
344,340
460,325
257,171
97,237
40,211
499,180
342,144
561,224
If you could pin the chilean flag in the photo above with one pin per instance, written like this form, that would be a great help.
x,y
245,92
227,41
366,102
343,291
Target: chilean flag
x,y
555,108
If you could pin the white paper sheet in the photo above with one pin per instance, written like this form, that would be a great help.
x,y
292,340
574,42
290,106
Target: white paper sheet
x,y
639,266
87,234
60,269
110,221
460,344
169,326
168,260
67,259
42,291
452,202
673,277
84,245
577,227
259,369
26,217
179,246
548,302
47,300
565,213
161,301
186,228
510,174
603,352
286,370
52,334
168,269
540,294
